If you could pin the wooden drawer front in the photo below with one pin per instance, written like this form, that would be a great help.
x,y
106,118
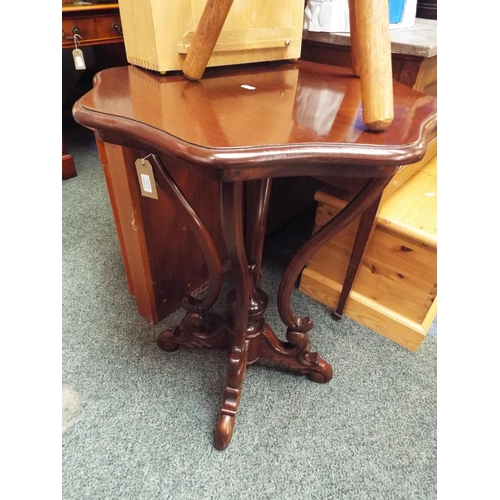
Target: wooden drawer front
x,y
85,26
93,30
105,27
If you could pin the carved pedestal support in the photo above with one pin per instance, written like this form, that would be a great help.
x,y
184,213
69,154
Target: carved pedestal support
x,y
244,333
259,342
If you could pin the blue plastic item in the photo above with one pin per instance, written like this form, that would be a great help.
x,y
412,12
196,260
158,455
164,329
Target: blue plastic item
x,y
396,8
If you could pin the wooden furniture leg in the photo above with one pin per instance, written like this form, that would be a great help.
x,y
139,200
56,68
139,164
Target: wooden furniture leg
x,y
354,38
363,234
245,334
372,59
207,33
68,164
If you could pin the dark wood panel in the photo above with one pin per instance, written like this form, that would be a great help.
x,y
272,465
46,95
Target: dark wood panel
x,y
427,9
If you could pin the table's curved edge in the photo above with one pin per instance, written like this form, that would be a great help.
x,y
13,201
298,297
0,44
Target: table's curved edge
x,y
230,164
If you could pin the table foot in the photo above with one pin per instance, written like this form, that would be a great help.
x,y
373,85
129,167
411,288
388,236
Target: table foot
x,y
335,315
224,432
232,393
295,354
192,334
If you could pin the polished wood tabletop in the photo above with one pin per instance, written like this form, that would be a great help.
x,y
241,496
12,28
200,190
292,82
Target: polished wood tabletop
x,y
269,120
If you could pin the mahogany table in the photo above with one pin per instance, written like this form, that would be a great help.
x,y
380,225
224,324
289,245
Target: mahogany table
x,y
242,127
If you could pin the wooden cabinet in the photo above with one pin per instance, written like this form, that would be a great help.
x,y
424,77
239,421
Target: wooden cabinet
x,y
162,259
95,24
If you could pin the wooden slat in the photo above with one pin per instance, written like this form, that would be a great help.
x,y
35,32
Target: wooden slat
x,y
382,320
251,39
129,225
414,205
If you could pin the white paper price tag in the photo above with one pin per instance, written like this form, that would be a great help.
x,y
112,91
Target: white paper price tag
x,y
78,59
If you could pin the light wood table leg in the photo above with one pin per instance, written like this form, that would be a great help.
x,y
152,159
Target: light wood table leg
x,y
373,56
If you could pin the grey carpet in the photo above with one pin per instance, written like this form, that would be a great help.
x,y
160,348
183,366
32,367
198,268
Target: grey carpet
x,y
138,422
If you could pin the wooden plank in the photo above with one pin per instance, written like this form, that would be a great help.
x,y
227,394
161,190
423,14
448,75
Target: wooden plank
x,y
251,39
128,221
414,204
382,320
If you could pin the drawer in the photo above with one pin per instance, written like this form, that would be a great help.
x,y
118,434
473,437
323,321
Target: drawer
x,y
86,29
108,27
94,30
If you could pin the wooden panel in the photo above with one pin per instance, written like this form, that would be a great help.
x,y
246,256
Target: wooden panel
x,y
161,257
86,29
157,33
95,25
414,205
396,273
406,172
176,261
129,225
105,27
337,55
366,312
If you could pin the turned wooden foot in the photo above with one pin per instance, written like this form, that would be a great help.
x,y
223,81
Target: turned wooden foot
x,y
224,432
231,398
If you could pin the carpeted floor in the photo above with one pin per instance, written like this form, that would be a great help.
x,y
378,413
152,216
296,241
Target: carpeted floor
x,y
138,422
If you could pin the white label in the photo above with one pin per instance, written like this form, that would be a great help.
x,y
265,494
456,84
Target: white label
x,y
78,59
146,183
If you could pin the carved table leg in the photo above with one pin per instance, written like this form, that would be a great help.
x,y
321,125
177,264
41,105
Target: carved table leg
x,y
191,333
364,199
232,226
365,229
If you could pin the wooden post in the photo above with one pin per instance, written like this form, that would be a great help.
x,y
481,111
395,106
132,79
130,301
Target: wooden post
x,y
374,57
208,30
354,38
